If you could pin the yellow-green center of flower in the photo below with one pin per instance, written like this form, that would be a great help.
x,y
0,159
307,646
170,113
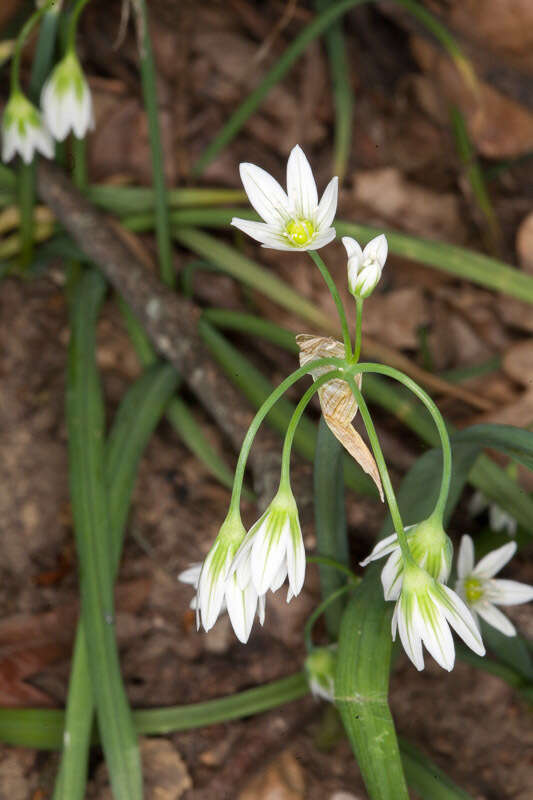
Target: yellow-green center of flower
x,y
300,231
473,590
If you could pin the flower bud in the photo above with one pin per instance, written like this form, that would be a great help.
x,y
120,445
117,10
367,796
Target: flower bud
x,y
365,266
320,666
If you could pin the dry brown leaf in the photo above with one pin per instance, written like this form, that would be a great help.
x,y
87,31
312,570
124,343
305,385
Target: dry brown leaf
x,y
338,404
519,413
517,362
524,243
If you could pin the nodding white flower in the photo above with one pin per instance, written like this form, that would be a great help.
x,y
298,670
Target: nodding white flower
x,y
482,593
499,519
241,615
423,615
273,549
320,666
217,589
23,131
365,266
293,220
66,100
430,547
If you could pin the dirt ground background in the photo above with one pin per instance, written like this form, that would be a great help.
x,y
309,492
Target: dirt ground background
x,y
403,173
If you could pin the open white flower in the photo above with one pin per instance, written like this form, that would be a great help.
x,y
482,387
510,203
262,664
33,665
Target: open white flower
x,y
430,547
23,131
294,220
241,603
499,519
423,615
365,266
66,100
273,549
482,593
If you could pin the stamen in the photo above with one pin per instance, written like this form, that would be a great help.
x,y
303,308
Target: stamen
x,y
300,231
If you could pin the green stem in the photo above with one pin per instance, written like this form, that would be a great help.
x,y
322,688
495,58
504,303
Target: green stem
x,y
79,165
149,88
271,400
73,24
330,283
326,561
358,328
295,419
21,40
319,610
383,471
409,383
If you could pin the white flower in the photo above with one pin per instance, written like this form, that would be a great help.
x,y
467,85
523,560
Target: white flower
x,y
217,590
423,614
243,602
430,547
294,220
66,100
273,548
365,266
482,593
320,666
23,131
499,519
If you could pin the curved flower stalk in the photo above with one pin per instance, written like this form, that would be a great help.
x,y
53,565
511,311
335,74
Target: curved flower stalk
x,y
337,402
293,220
273,549
430,547
66,100
23,131
365,266
423,615
482,592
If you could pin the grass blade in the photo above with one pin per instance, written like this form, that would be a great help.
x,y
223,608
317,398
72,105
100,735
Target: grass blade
x,y
85,420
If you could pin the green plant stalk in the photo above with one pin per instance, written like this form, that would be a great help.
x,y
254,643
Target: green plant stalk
x,y
465,264
361,689
485,475
139,201
334,292
314,29
322,608
137,416
72,25
430,782
85,421
256,388
342,92
330,519
149,88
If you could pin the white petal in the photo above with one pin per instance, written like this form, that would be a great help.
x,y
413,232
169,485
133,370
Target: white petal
x,y
494,561
301,186
353,248
261,604
478,503
241,608
265,194
45,143
462,621
191,575
394,622
267,554
9,144
465,559
410,633
391,575
262,232
26,148
328,205
296,560
280,576
508,593
494,617
438,639
211,591
377,250
382,548
321,239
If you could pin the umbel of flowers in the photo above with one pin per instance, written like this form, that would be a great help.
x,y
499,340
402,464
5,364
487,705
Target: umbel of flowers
x,y
242,567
